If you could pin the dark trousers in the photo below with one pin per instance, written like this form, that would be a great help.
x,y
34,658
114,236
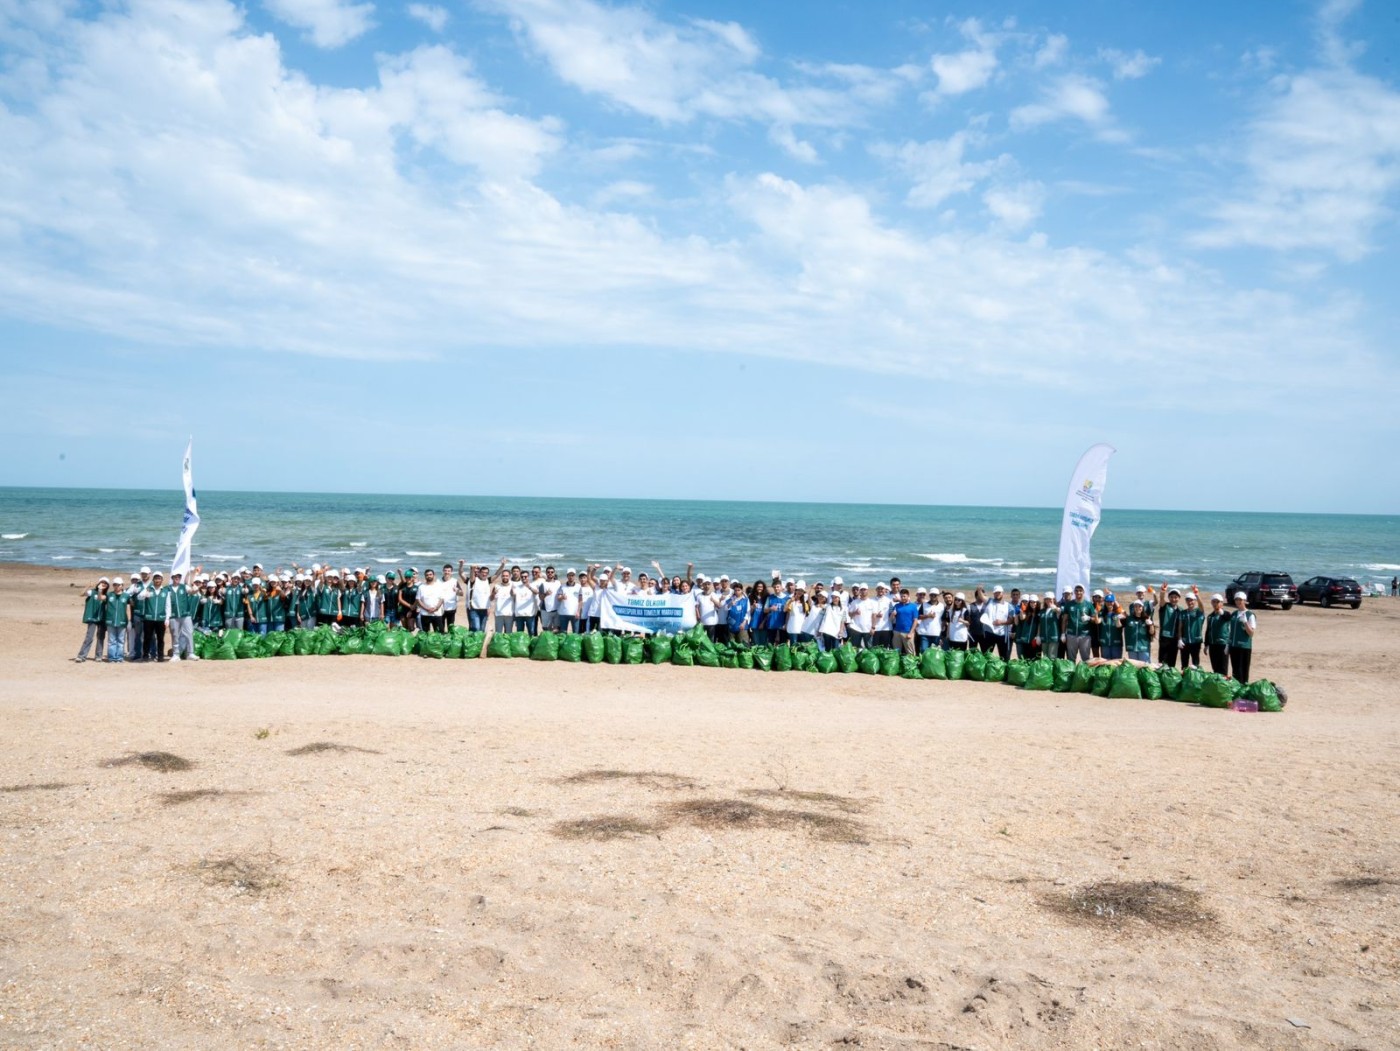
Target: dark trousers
x,y
431,624
1239,663
1191,655
884,639
1166,651
1219,658
153,642
1000,643
449,617
136,640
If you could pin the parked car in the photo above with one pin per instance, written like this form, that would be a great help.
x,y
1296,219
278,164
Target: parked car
x,y
1327,591
1264,589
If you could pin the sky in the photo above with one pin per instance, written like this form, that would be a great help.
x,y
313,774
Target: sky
x,y
900,252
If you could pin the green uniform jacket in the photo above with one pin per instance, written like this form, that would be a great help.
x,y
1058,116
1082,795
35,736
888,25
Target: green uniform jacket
x,y
211,612
1047,628
118,609
328,601
94,607
183,601
1218,628
1239,638
1191,626
1025,628
1135,634
1077,614
1169,616
1110,630
154,603
233,602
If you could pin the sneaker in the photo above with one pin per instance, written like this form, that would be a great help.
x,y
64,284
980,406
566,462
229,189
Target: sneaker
x,y
79,660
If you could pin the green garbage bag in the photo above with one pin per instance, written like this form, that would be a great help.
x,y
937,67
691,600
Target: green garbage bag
x,y
1124,683
683,654
699,641
305,644
889,661
995,671
612,649
932,665
453,649
1263,691
804,657
270,645
845,658
1171,683
729,658
974,665
499,646
248,646
1150,683
763,658
324,641
953,662
287,643
387,644
519,643
867,662
1217,692
1018,671
432,644
634,649
826,662
743,658
227,649
571,648
1064,675
1042,675
593,648
473,644
1082,681
1102,681
707,656
1192,679
352,643
782,658
659,647
545,647
909,667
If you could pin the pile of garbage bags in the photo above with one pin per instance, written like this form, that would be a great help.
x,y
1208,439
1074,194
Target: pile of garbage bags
x,y
694,648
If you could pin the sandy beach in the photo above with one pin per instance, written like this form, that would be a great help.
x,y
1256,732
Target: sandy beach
x,y
370,852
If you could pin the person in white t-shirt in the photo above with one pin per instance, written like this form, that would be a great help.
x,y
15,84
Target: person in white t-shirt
x,y
795,613
884,628
816,608
569,603
479,595
429,603
996,623
929,628
527,604
503,602
832,626
860,614
957,618
708,606
549,602
452,589
589,586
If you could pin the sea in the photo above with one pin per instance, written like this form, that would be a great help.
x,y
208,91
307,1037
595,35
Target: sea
x,y
118,530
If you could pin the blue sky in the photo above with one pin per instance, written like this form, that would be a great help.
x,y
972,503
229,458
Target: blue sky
x,y
897,252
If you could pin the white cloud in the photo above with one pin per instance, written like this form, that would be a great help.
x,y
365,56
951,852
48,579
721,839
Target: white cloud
x,y
1015,207
1321,167
673,72
790,144
938,169
964,71
1126,66
432,16
1052,52
1071,97
328,23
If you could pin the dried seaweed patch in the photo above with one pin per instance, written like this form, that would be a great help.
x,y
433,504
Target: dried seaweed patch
x,y
162,762
656,779
1113,903
316,747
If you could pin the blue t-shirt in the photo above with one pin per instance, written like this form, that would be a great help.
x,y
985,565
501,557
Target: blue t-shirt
x,y
773,615
905,613
738,613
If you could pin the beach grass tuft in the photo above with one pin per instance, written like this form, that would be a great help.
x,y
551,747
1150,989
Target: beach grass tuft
x,y
604,828
845,804
193,794
1364,883
37,786
515,811
740,813
245,875
163,762
646,778
316,747
1113,903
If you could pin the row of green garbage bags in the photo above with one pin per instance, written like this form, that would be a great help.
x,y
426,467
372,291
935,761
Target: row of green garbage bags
x,y
694,647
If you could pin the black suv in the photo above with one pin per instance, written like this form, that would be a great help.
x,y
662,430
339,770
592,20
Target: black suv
x,y
1327,590
1264,589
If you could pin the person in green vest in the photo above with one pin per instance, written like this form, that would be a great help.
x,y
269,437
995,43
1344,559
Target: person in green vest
x,y
1027,612
408,600
154,604
95,617
1108,629
1137,633
183,604
1047,627
1076,623
1190,630
305,602
1167,637
233,603
118,618
391,597
277,604
255,607
1242,628
328,599
352,602
210,618
1218,630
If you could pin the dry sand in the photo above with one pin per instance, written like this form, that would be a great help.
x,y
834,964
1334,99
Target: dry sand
x,y
439,881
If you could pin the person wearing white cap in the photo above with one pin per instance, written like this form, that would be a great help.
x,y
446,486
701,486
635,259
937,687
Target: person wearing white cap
x,y
1047,627
1076,622
860,614
1191,628
184,603
1242,628
997,622
1168,640
136,634
957,632
1027,619
1217,634
209,618
479,596
709,607
795,612
929,629
882,634
1108,628
233,603
1138,630
569,602
95,617
118,620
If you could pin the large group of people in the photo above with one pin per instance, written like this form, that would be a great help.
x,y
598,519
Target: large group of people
x,y
147,619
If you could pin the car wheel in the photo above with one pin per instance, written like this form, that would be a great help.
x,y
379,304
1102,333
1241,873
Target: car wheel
x,y
1287,606
1325,602
1356,605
